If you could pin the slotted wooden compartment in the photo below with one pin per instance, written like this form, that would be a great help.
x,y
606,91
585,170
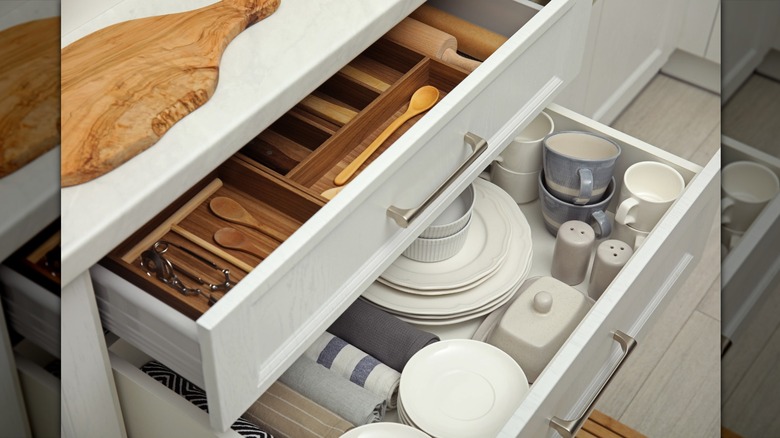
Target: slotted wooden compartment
x,y
310,148
274,202
278,177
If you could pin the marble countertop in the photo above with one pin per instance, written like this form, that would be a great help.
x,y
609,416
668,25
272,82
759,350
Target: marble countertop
x,y
265,71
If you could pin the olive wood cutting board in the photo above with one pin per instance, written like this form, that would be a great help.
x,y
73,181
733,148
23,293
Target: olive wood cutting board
x,y
125,85
29,92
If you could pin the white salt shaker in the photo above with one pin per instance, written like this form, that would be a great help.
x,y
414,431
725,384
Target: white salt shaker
x,y
571,255
611,256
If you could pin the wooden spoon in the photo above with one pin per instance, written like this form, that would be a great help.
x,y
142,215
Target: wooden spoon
x,y
331,193
124,86
231,238
231,211
422,100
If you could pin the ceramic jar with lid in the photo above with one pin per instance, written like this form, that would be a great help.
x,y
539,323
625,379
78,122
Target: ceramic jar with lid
x,y
538,322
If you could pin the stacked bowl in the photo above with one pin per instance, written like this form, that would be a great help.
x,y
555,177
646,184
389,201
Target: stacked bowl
x,y
517,169
577,181
447,234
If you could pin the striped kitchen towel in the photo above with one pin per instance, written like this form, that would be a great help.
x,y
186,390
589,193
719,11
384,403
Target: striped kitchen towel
x,y
353,403
360,368
196,396
288,414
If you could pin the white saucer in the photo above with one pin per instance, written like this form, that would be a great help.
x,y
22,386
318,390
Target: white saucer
x,y
461,388
485,249
384,430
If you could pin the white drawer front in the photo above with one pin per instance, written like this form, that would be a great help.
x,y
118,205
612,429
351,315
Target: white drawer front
x,y
249,337
32,311
752,265
639,292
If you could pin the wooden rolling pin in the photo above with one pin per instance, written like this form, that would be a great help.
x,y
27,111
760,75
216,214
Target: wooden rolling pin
x,y
125,85
474,40
430,42
29,92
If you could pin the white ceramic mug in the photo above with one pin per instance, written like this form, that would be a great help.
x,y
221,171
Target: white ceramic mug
x,y
522,187
746,188
524,154
730,238
649,189
631,236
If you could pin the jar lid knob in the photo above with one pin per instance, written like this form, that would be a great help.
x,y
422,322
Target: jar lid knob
x,y
543,302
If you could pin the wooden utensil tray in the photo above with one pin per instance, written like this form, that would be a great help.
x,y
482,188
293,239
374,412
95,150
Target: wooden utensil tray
x,y
278,177
310,150
276,203
39,258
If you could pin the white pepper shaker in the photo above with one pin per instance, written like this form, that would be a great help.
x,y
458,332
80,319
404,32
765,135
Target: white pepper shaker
x,y
571,255
611,256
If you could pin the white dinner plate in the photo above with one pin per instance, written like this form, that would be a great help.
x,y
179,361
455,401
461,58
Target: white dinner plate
x,y
384,430
512,273
456,319
485,249
461,388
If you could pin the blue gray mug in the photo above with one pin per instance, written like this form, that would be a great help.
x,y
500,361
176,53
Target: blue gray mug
x,y
578,165
555,211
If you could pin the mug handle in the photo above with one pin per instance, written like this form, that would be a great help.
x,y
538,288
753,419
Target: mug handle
x,y
586,186
725,206
624,209
602,223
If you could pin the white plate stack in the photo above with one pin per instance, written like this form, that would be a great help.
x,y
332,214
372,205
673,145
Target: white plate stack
x,y
482,276
460,388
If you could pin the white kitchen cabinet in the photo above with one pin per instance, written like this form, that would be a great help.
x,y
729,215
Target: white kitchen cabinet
x,y
743,51
698,26
247,339
628,42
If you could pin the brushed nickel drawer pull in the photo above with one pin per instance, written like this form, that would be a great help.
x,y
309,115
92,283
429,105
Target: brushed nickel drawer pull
x,y
404,216
568,428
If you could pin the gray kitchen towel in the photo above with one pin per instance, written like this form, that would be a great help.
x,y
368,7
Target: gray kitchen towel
x,y
354,364
353,403
380,334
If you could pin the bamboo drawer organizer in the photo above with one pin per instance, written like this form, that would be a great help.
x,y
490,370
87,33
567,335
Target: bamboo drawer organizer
x,y
278,177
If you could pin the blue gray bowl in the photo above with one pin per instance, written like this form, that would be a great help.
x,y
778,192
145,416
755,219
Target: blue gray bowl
x,y
555,211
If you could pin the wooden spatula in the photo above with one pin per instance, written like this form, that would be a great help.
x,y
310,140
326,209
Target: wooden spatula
x,y
29,92
125,85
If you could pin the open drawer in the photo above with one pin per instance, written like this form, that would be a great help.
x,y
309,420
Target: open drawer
x,y
251,334
751,266
30,289
576,373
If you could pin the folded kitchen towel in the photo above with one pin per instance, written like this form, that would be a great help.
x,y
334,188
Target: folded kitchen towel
x,y
380,334
288,414
355,404
354,364
196,396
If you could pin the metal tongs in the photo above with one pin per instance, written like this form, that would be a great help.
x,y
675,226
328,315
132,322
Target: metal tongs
x,y
155,264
